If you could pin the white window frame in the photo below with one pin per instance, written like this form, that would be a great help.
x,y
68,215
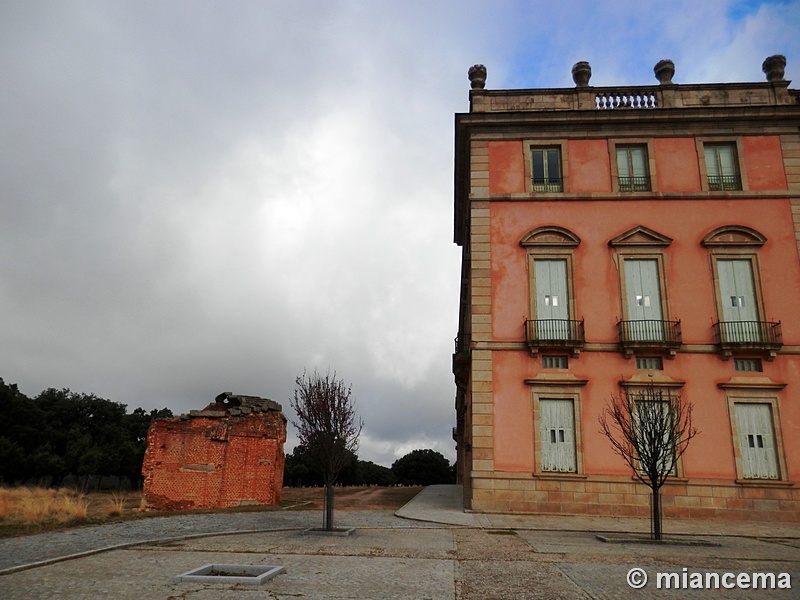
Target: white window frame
x,y
772,402
574,397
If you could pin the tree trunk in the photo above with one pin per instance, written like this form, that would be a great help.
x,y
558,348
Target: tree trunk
x,y
329,506
656,514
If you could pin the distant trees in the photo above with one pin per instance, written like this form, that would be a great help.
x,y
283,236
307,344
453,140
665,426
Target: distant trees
x,y
418,467
61,433
327,428
371,474
423,467
650,428
300,471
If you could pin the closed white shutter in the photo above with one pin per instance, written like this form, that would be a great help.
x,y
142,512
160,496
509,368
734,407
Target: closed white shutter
x,y
738,298
552,304
644,300
756,440
660,451
557,434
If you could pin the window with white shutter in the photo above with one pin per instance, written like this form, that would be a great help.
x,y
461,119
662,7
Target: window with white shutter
x,y
643,291
738,300
657,436
756,438
557,435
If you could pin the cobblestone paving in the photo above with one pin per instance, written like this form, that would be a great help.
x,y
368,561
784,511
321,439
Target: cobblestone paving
x,y
386,558
24,550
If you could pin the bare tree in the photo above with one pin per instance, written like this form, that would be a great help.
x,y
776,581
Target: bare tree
x,y
327,427
650,428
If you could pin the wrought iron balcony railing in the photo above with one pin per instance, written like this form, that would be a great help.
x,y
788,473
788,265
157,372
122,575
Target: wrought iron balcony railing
x,y
749,335
634,184
649,333
549,184
554,333
718,183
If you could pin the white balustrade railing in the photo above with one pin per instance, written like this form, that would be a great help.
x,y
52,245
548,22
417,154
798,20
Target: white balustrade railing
x,y
608,101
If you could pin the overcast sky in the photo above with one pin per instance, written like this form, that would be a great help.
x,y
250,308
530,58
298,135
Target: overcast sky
x,y
201,197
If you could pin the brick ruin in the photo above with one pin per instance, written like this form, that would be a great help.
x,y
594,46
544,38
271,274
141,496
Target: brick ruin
x,y
228,454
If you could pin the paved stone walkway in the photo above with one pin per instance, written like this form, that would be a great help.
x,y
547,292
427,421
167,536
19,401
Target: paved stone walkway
x,y
19,552
413,558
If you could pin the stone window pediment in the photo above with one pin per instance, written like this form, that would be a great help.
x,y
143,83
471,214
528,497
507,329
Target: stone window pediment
x,y
550,236
734,235
640,236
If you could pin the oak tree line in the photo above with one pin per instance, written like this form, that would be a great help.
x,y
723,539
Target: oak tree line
x,y
61,437
418,467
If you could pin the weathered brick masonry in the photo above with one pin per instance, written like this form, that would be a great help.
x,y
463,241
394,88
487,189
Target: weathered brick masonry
x,y
229,454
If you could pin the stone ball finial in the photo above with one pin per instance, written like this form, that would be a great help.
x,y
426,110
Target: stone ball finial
x,y
477,77
773,67
581,73
664,70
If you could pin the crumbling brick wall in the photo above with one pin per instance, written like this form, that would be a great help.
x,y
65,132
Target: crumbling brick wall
x,y
229,454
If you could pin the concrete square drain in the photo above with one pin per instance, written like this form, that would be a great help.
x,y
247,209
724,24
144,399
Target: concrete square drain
x,y
245,574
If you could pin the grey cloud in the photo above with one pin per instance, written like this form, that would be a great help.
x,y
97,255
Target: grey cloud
x,y
200,196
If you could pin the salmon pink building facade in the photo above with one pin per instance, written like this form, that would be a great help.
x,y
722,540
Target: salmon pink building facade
x,y
615,238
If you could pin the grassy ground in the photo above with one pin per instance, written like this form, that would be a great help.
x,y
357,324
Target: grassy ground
x,y
35,510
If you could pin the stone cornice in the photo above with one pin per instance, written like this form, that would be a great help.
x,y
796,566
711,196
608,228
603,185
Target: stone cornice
x,y
639,196
751,383
656,378
566,379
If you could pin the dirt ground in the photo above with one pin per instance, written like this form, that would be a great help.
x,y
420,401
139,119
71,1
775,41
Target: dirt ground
x,y
349,498
110,507
308,498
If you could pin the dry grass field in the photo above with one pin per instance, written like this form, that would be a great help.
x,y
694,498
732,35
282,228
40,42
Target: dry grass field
x,y
26,510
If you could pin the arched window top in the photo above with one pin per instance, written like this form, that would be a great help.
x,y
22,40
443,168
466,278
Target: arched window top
x,y
550,236
734,235
640,236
